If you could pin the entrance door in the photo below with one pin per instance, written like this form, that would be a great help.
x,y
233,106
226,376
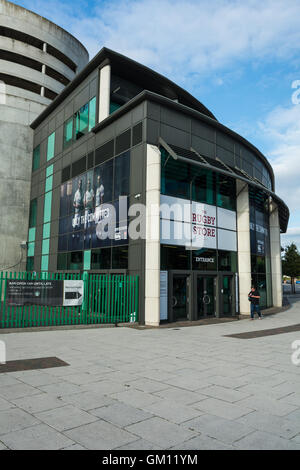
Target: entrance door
x,y
206,296
226,297
180,297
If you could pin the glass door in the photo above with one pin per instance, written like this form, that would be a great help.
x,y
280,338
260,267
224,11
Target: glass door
x,y
226,297
206,296
180,298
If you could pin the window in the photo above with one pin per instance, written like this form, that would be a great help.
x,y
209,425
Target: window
x,y
81,121
50,146
30,263
75,260
36,158
226,192
203,189
204,260
175,176
47,207
227,261
68,132
101,259
92,113
122,171
114,107
174,257
32,213
120,257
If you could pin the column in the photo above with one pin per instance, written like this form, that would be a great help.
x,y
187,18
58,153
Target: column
x,y
104,92
275,247
152,245
244,248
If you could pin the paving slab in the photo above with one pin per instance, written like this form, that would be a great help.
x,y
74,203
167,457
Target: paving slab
x,y
222,408
16,391
100,436
87,400
171,411
282,427
264,441
161,432
15,419
37,403
224,430
39,437
66,417
121,414
204,443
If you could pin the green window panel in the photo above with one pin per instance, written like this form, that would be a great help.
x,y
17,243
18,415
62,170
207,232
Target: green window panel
x,y
50,146
47,207
36,158
30,250
30,263
87,260
46,230
31,234
92,113
113,107
45,263
32,213
49,170
49,184
81,121
68,132
45,246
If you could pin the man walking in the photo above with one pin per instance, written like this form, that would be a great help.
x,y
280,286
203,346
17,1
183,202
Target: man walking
x,y
254,297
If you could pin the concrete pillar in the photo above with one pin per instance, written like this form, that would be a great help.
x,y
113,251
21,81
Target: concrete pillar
x,y
152,245
275,247
244,248
104,92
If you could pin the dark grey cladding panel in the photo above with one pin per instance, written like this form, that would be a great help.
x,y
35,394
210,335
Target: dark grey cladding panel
x,y
202,130
204,147
51,127
43,152
93,87
39,229
225,141
175,136
40,210
105,135
59,118
37,138
79,151
153,110
57,178
137,170
81,98
152,131
45,131
175,119
58,140
66,159
34,191
69,108
37,263
55,203
123,123
52,259
139,113
246,166
54,228
135,259
226,156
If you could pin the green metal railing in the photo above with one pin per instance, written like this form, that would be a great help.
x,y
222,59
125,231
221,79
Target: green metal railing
x,y
107,299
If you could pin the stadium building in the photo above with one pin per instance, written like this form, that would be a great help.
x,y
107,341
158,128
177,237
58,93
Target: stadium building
x,y
37,60
121,137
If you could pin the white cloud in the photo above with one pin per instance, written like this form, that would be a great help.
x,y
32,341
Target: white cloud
x,y
179,38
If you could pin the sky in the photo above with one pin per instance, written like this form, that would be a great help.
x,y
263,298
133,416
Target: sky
x,y
239,58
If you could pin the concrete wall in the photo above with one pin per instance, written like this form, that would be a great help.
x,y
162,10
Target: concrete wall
x,y
18,108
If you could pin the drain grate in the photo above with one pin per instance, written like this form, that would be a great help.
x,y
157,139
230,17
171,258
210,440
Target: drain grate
x,y
32,364
262,333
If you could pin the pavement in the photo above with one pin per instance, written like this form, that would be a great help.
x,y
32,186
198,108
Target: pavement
x,y
186,388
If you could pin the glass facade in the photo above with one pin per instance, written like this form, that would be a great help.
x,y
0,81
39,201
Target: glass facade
x,y
80,123
50,146
188,181
36,158
87,199
260,245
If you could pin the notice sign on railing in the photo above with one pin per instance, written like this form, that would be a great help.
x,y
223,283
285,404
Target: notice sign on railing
x,y
44,292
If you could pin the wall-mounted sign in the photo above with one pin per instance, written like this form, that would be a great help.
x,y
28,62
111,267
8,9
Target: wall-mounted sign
x,y
51,293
